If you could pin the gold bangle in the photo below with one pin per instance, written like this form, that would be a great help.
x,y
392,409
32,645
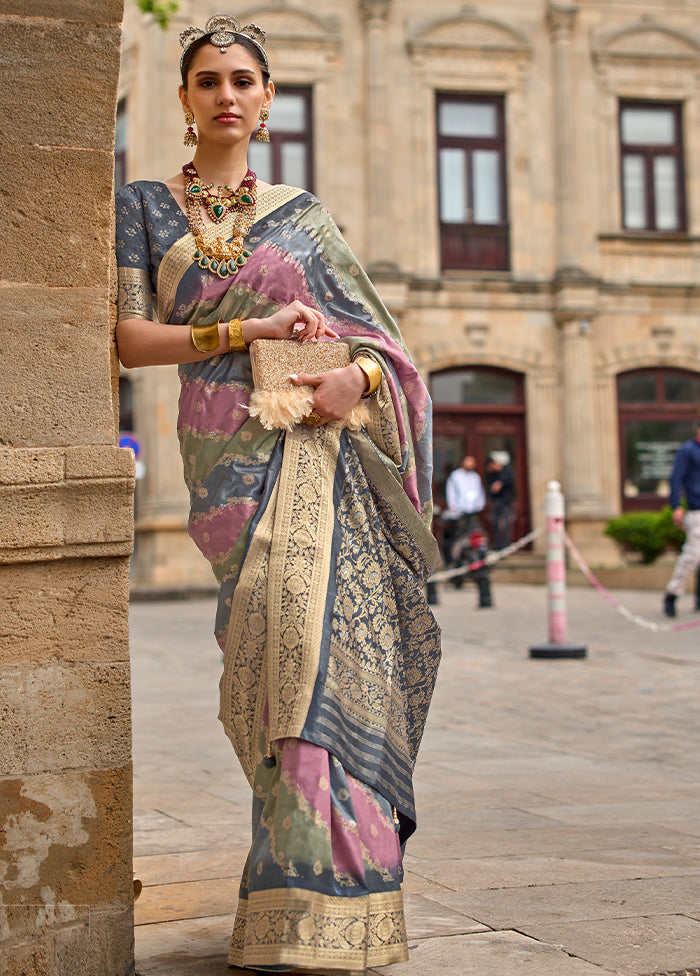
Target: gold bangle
x,y
205,337
236,342
372,371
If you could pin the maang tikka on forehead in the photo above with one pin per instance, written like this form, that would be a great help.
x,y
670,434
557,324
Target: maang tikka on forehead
x,y
222,31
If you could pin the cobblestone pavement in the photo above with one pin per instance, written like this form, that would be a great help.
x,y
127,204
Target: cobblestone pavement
x,y
558,801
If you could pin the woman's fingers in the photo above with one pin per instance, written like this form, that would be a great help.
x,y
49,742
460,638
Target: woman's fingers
x,y
335,392
317,415
299,321
306,379
309,323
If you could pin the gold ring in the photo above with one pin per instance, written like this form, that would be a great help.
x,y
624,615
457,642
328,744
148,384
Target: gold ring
x,y
313,420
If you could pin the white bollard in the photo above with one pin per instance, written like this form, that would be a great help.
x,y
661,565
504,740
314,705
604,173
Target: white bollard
x,y
557,646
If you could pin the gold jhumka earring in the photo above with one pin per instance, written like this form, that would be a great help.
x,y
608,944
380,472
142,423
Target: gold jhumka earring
x,y
190,136
263,135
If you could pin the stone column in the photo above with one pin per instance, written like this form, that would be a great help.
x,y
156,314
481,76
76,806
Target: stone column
x,y
583,452
582,456
575,292
379,250
66,902
542,395
575,311
561,20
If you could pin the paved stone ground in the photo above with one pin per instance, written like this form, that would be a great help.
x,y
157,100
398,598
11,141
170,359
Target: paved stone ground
x,y
558,801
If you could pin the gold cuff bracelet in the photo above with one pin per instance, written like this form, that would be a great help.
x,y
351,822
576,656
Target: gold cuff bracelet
x,y
205,337
372,371
236,341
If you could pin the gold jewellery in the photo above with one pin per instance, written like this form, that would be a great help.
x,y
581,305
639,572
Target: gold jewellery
x,y
263,134
206,338
236,342
372,371
222,31
190,135
219,256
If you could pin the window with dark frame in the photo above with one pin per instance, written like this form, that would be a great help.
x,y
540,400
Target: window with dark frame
x,y
471,148
651,167
657,411
288,157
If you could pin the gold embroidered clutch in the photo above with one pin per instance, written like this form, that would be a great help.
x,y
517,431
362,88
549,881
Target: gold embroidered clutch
x,y
278,402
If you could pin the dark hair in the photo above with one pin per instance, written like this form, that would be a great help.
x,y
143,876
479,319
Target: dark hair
x,y
253,49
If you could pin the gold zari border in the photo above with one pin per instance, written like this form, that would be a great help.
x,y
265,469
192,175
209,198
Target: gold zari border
x,y
294,927
276,623
134,294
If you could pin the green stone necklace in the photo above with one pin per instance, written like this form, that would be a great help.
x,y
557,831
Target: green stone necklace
x,y
219,256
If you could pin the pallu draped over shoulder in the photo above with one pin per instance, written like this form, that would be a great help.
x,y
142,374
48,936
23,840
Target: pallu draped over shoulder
x,y
320,541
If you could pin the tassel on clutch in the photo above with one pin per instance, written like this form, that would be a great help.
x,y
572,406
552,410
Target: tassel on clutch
x,y
276,401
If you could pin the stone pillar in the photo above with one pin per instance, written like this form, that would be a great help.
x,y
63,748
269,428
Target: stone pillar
x,y
575,297
544,436
66,902
561,20
379,249
582,456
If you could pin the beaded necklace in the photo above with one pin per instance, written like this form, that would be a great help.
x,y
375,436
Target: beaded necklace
x,y
219,256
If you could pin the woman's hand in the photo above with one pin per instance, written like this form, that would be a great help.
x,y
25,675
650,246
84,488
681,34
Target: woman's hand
x,y
296,321
336,392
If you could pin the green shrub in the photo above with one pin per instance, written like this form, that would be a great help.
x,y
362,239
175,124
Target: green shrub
x,y
644,536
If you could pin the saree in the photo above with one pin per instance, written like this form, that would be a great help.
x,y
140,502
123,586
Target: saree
x,y
320,542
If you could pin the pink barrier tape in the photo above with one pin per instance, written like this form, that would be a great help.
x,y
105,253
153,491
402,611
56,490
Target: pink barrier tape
x,y
491,558
634,618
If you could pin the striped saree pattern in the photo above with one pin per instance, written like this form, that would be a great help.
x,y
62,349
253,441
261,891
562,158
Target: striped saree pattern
x,y
319,539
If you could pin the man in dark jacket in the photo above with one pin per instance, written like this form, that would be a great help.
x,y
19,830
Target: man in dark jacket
x,y
500,484
685,480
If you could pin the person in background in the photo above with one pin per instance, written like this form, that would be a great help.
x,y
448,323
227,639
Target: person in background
x,y
465,495
500,484
685,480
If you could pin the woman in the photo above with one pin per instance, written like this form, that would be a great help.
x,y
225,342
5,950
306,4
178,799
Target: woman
x,y
318,536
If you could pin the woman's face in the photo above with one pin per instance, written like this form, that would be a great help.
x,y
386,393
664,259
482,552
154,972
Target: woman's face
x,y
225,93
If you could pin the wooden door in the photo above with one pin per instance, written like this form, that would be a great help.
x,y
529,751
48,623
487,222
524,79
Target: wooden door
x,y
458,433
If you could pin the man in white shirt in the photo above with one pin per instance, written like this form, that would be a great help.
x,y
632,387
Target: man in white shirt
x,y
464,490
465,496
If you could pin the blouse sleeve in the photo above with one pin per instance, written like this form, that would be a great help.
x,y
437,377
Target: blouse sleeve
x,y
135,291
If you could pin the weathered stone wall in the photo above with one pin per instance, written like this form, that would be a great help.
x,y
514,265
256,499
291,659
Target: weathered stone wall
x,y
66,890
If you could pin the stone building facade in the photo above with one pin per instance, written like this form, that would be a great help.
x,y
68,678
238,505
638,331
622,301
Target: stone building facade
x,y
522,180
66,882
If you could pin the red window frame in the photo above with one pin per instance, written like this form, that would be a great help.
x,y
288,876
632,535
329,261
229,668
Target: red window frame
x,y
650,153
278,138
660,409
470,246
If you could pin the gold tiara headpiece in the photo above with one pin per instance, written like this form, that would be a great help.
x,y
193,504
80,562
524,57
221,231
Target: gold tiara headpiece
x,y
222,30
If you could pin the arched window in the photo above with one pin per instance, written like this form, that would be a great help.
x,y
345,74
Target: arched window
x,y
477,386
658,410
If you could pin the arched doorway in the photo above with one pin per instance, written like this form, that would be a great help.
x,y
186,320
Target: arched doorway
x,y
657,411
479,410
